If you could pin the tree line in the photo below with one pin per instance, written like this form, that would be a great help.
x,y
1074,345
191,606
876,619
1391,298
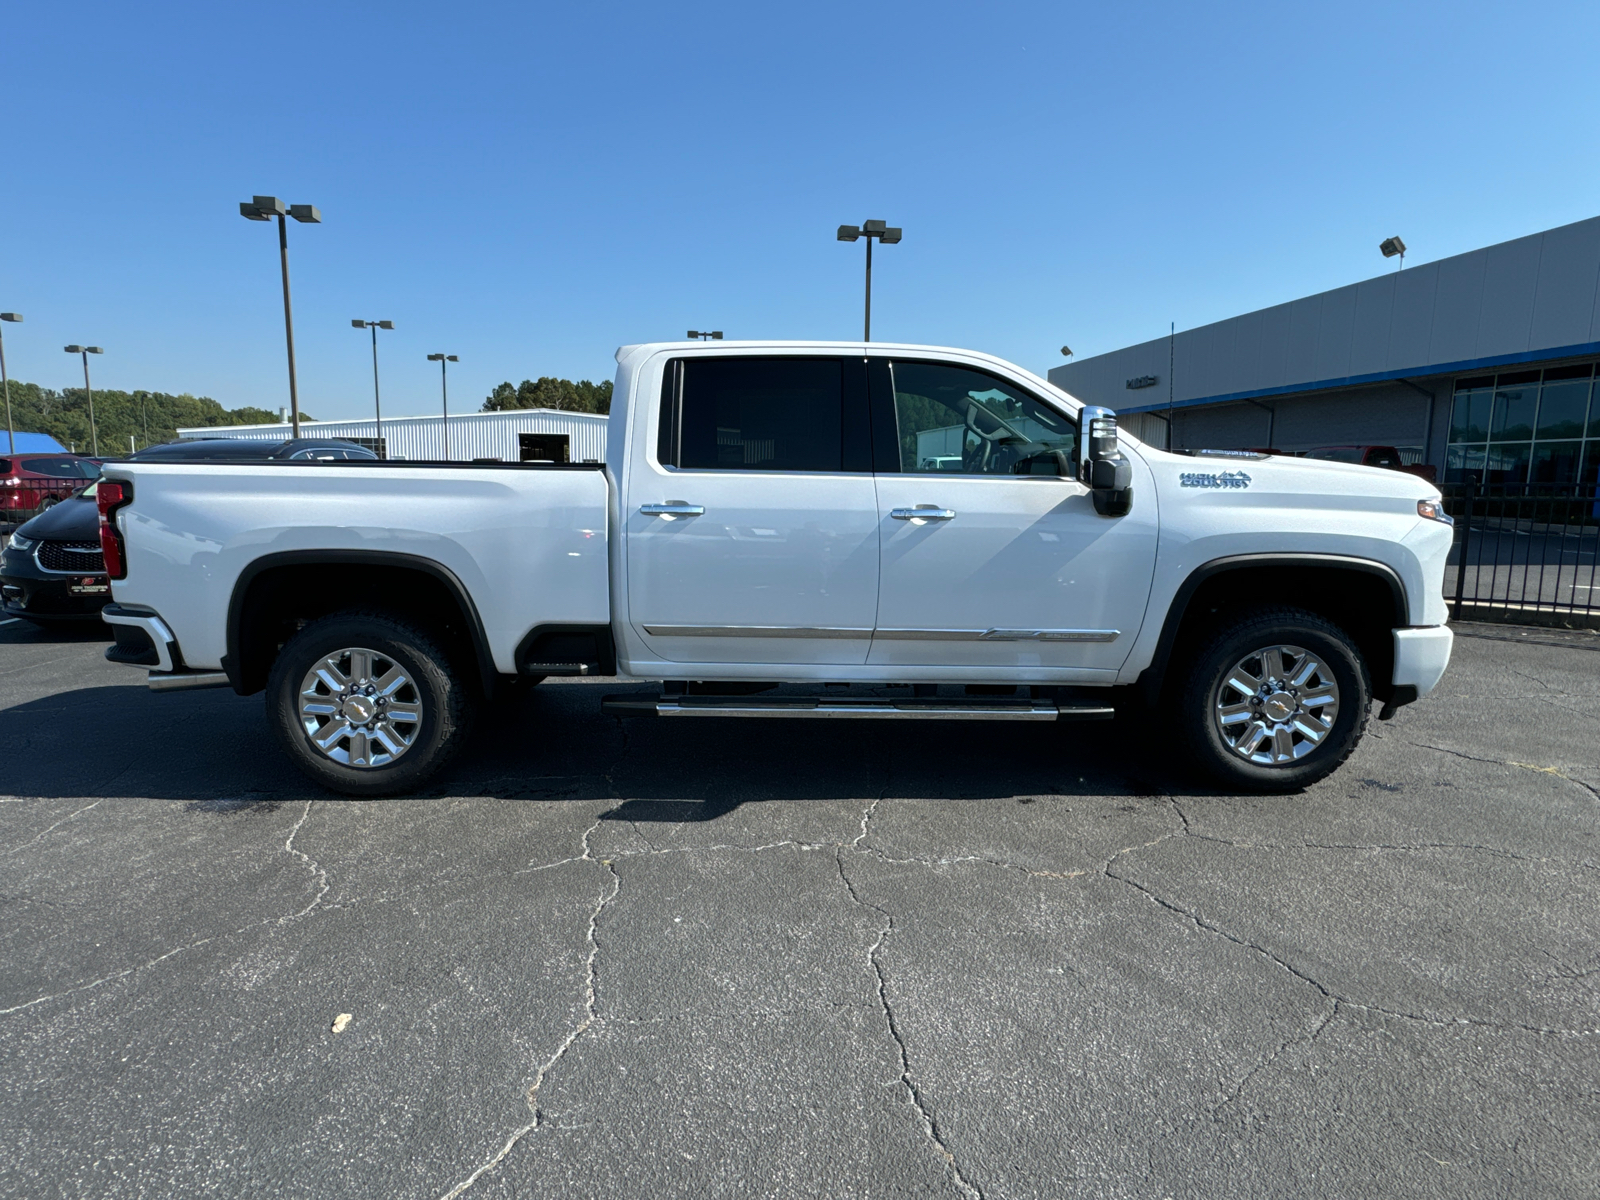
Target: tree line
x,y
149,418
550,392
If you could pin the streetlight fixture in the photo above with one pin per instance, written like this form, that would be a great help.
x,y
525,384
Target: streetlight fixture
x,y
264,208
84,352
1391,247
377,404
888,235
11,433
1066,352
444,388
714,335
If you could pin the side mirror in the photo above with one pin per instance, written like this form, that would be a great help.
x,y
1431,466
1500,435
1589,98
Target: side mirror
x,y
1102,465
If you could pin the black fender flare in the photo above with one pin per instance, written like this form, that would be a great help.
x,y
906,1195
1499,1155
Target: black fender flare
x,y
1152,677
231,661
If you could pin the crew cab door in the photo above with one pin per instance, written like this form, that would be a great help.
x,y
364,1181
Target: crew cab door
x,y
752,530
991,556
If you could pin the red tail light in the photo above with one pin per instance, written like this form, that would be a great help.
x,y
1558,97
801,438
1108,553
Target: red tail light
x,y
109,497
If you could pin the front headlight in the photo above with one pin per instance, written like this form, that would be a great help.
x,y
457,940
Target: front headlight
x,y
18,542
1433,510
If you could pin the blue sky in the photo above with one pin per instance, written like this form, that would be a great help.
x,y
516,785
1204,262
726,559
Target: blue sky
x,y
529,186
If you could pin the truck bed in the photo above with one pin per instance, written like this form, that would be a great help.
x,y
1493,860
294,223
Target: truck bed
x,y
527,541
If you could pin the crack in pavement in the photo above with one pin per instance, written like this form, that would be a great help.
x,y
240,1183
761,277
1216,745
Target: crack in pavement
x,y
289,848
51,829
1506,762
1267,1060
930,1126
573,1034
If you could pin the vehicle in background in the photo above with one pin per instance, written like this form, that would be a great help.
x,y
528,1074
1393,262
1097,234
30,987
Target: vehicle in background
x,y
52,572
1386,457
31,483
255,450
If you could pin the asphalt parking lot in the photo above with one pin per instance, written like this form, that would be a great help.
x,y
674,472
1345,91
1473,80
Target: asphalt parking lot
x,y
763,958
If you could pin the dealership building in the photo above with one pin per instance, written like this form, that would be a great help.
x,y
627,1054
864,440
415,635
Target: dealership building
x,y
1482,364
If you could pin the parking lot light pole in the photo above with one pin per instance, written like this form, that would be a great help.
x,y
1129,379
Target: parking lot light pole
x,y
444,389
11,433
264,208
710,335
85,351
377,404
888,235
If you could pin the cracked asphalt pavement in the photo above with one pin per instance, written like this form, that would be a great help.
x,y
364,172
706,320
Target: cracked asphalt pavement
x,y
762,958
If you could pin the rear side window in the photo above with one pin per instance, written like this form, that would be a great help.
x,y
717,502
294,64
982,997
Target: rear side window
x,y
5,466
755,414
57,468
1346,454
1383,456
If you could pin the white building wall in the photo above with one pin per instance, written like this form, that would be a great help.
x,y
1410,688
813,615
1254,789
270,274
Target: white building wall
x,y
472,435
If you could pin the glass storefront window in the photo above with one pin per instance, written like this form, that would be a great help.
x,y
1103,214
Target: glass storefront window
x,y
1556,462
1507,462
1562,408
1464,463
1469,421
1513,413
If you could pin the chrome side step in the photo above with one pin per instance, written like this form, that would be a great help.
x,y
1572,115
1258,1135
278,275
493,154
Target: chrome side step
x,y
806,706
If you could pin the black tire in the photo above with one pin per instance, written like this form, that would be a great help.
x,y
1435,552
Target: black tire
x,y
436,689
1200,692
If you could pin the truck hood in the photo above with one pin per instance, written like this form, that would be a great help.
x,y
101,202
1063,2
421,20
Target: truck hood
x,y
1282,473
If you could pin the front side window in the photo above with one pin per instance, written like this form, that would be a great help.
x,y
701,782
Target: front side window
x,y
753,414
960,421
58,468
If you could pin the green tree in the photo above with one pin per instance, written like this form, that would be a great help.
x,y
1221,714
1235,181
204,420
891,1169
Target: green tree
x,y
549,392
148,417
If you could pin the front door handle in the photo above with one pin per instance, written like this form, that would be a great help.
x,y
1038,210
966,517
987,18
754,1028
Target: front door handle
x,y
673,508
923,512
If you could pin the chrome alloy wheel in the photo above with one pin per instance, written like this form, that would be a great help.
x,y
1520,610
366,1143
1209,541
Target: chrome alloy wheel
x,y
360,708
1276,705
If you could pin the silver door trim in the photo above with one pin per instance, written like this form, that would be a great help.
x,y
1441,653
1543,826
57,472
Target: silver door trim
x,y
758,631
998,635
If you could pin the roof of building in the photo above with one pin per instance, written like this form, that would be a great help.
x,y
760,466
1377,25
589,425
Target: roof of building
x,y
1526,300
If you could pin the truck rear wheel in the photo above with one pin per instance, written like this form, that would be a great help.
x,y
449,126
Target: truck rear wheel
x,y
1274,701
366,705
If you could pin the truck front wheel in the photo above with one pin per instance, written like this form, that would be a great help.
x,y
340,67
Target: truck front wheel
x,y
1274,701
366,705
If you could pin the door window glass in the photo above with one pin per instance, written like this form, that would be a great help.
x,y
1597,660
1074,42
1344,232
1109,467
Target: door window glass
x,y
955,420
756,414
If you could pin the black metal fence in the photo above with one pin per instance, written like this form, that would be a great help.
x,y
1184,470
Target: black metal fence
x,y
1528,550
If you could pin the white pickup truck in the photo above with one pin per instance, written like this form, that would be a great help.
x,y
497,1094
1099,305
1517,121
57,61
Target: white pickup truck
x,y
797,529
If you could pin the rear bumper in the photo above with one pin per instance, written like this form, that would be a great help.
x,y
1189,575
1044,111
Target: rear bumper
x,y
1420,658
143,639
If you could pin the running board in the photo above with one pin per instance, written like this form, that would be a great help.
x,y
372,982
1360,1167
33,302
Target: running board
x,y
806,706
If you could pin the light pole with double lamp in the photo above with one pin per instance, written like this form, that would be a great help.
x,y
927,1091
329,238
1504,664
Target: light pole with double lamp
x,y
11,433
85,351
888,235
264,208
444,389
709,335
377,404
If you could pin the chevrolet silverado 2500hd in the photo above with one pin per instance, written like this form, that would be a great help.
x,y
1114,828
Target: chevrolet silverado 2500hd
x,y
949,535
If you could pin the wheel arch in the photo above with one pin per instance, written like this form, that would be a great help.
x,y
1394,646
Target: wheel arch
x,y
1364,597
266,605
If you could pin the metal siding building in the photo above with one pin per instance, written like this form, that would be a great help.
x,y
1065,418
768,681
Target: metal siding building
x,y
1382,362
472,435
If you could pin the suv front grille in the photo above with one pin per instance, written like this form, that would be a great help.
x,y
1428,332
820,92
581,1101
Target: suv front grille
x,y
73,558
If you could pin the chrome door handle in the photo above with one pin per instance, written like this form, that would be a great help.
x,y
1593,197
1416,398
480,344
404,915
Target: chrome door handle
x,y
923,512
673,508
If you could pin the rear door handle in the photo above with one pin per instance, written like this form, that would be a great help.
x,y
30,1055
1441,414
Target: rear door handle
x,y
923,512
673,508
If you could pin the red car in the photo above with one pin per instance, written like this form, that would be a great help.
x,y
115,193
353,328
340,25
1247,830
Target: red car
x,y
1373,456
31,483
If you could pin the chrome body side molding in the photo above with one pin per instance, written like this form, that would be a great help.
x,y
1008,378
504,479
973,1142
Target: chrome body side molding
x,y
900,635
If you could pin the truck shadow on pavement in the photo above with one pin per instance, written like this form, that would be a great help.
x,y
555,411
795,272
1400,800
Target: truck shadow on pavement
x,y
214,749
